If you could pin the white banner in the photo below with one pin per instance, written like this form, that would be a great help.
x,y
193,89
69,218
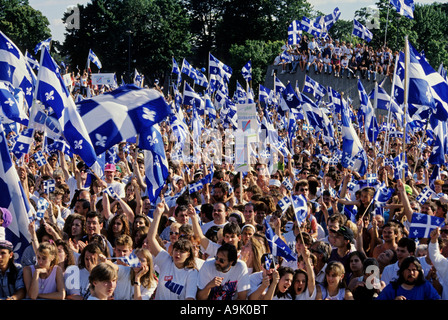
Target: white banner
x,y
103,79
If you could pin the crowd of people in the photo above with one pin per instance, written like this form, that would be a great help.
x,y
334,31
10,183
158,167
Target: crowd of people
x,y
337,58
211,244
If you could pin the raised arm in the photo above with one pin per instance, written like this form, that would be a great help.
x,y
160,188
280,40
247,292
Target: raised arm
x,y
153,244
196,227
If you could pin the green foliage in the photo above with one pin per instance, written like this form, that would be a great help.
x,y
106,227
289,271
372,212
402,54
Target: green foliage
x,y
24,25
125,35
261,53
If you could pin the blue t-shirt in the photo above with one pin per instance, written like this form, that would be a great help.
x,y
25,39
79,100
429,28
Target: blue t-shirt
x,y
423,292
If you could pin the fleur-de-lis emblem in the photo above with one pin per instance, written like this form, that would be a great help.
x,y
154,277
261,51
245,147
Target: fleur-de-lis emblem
x,y
101,140
78,144
9,45
9,101
28,91
49,95
290,95
148,114
153,139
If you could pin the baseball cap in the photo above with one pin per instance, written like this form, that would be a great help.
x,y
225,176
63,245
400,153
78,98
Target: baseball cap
x,y
347,233
110,167
5,244
275,182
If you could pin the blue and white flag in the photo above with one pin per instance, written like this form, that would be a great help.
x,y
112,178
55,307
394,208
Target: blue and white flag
x,y
384,101
32,62
195,186
264,94
156,164
246,71
382,195
440,144
42,206
24,141
15,200
400,166
284,203
53,94
294,33
371,128
287,183
278,86
39,158
176,70
197,76
217,67
425,195
49,185
111,192
12,104
331,18
299,204
311,27
93,58
45,43
14,69
423,224
351,144
427,88
132,260
404,7
121,114
313,87
361,31
138,79
192,98
278,247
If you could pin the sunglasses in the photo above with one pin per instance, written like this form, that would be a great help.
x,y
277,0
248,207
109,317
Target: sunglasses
x,y
174,233
220,260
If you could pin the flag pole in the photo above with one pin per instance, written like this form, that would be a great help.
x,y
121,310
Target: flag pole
x,y
386,140
387,22
406,91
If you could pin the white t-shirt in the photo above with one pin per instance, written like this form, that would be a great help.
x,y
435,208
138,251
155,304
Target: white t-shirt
x,y
210,224
174,283
235,280
124,289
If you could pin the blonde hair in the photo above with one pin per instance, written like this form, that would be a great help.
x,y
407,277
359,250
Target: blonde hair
x,y
49,249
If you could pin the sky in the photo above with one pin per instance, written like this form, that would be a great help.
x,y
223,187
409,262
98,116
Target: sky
x,y
54,10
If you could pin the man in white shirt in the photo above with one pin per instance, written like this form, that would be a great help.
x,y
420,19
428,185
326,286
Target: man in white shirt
x,y
109,178
225,277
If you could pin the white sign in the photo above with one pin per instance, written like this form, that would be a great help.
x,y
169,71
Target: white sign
x,y
103,79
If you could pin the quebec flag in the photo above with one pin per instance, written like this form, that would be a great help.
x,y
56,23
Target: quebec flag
x,y
14,199
14,69
53,93
121,114
423,224
156,164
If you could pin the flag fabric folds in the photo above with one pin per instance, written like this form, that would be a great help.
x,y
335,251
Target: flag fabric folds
x,y
93,58
122,114
423,224
278,247
14,69
156,164
14,199
361,31
404,7
294,33
53,93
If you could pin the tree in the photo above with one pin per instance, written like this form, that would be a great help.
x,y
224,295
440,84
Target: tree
x,y
261,53
25,26
141,34
431,24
